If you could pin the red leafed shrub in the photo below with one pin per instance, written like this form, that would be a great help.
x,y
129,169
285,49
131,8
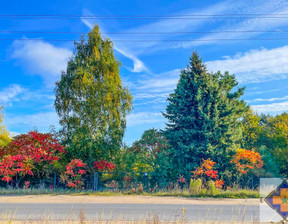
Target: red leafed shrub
x,y
104,165
11,166
206,172
20,156
206,169
181,179
37,146
246,160
219,183
128,179
26,184
72,177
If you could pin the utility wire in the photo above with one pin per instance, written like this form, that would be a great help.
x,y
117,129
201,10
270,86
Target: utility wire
x,y
144,16
150,17
179,40
140,18
141,33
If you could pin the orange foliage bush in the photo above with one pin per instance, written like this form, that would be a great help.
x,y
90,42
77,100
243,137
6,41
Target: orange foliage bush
x,y
246,160
205,172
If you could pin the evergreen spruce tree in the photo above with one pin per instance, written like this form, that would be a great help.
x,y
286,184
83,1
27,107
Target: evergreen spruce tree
x,y
203,118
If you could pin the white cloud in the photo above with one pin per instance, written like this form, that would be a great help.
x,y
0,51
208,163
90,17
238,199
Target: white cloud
x,y
268,99
247,23
154,89
42,58
255,65
271,108
141,96
138,65
250,67
182,25
172,26
253,93
144,118
179,26
163,82
41,121
11,93
13,134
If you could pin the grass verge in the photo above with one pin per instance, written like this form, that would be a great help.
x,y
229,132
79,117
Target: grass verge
x,y
243,193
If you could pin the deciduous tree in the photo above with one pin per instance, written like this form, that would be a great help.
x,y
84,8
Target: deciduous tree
x,y
278,140
29,154
252,130
4,134
91,101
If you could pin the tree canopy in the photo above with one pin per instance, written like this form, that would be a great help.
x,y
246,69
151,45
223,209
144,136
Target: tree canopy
x,y
203,116
251,129
91,101
277,138
4,134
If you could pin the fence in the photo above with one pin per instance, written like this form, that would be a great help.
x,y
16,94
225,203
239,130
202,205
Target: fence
x,y
121,180
97,181
101,181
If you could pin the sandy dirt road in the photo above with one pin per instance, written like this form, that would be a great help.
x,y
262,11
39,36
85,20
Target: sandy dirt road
x,y
123,199
39,207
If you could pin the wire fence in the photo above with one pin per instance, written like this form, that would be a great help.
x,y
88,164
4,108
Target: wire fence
x,y
98,181
114,181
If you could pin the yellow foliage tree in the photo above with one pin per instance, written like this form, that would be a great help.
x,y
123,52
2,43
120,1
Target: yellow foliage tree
x,y
251,130
4,134
91,101
278,135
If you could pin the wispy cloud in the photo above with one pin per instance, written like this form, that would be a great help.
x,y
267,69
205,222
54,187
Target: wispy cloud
x,y
268,99
41,58
143,96
155,88
138,65
11,93
255,65
40,121
168,25
178,27
253,93
163,82
144,118
247,23
272,108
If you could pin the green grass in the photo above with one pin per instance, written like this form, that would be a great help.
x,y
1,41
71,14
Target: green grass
x,y
218,194
233,193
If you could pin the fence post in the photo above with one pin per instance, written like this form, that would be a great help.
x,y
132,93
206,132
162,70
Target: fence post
x,y
55,177
95,186
121,181
146,180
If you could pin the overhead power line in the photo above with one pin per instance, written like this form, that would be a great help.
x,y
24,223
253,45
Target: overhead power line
x,y
141,33
176,15
149,17
175,40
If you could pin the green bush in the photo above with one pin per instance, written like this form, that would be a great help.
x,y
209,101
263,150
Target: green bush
x,y
211,188
195,186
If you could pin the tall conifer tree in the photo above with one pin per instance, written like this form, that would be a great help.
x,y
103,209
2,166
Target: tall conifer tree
x,y
203,117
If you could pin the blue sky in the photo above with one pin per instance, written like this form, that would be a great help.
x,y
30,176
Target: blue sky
x,y
150,70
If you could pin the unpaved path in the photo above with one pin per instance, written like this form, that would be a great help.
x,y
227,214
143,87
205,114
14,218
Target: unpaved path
x,y
124,199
